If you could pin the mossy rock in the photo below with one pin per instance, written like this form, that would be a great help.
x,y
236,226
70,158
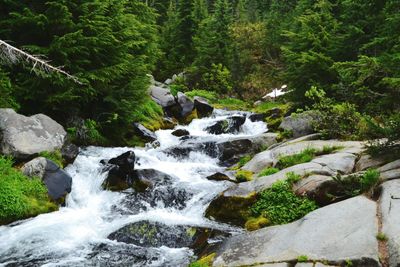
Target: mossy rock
x,y
189,118
244,176
253,224
206,261
231,209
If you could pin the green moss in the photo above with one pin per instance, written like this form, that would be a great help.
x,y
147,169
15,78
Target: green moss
x,y
267,106
280,204
381,237
241,163
54,156
206,261
305,156
210,96
231,104
244,176
20,196
149,114
302,258
188,119
268,171
253,224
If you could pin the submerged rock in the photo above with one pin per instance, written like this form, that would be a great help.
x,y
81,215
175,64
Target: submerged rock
x,y
23,137
229,126
156,234
345,231
57,181
120,171
180,132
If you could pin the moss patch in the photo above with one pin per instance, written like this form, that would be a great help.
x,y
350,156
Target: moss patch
x,y
253,224
20,196
53,156
206,261
244,176
268,171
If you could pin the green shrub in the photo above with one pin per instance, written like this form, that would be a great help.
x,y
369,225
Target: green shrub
x,y
54,156
231,103
210,96
244,160
304,156
268,171
149,114
280,205
218,79
244,176
292,178
20,196
354,185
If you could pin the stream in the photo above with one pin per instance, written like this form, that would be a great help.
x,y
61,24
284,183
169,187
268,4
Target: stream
x,y
76,235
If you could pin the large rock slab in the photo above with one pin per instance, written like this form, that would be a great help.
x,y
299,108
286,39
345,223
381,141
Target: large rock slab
x,y
22,136
259,162
342,163
366,162
57,181
390,210
335,233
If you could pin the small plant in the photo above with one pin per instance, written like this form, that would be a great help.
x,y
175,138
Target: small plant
x,y
348,263
302,258
304,156
244,160
204,261
268,171
292,178
280,205
210,96
381,237
353,185
244,176
329,149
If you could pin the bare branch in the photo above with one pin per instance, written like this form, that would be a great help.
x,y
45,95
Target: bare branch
x,y
13,55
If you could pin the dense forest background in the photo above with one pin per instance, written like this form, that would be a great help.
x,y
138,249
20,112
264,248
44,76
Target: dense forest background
x,y
338,56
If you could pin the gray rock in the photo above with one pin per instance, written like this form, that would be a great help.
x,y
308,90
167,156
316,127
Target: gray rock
x,y
168,81
342,163
390,166
57,181
390,209
185,103
335,233
259,162
299,124
26,136
366,161
143,132
69,152
162,96
390,175
319,188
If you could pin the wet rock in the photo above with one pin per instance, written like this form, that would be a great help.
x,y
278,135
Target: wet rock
x,y
204,109
23,137
57,181
230,125
258,117
69,152
162,96
185,103
143,132
219,176
390,209
156,234
120,172
180,132
169,123
299,124
335,233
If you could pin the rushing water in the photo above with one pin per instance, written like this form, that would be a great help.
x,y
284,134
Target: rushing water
x,y
76,235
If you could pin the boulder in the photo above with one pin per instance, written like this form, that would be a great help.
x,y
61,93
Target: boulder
x,y
337,233
180,132
156,234
144,133
299,124
320,188
219,176
257,117
162,96
57,181
185,103
230,125
69,152
203,108
259,162
343,163
390,210
390,166
23,137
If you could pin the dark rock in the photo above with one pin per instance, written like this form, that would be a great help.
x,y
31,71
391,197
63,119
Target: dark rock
x,y
258,117
219,176
180,132
185,103
169,123
144,133
120,172
57,181
274,113
232,151
203,108
156,234
69,152
230,125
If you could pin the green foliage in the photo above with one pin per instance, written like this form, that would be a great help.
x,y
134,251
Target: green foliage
x,y
231,104
54,156
304,156
6,92
381,237
353,185
20,196
253,224
217,79
280,205
244,160
268,171
205,261
149,114
210,96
